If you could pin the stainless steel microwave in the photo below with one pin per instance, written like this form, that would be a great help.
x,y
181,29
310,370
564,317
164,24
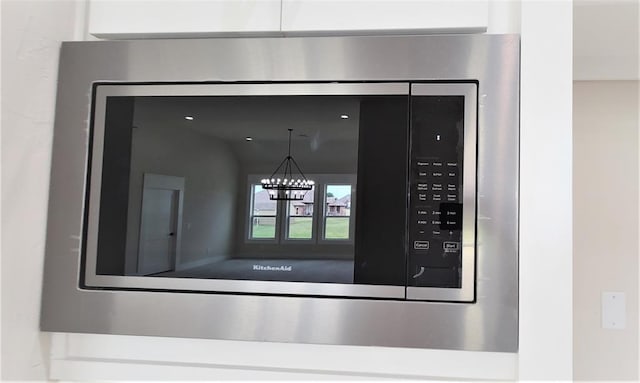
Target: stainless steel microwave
x,y
342,190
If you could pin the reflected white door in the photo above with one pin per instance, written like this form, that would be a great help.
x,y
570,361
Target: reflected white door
x,y
159,226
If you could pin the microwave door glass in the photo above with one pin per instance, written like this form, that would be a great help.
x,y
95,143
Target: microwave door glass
x,y
268,188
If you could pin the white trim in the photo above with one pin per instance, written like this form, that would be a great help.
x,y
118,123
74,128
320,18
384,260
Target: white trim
x,y
545,264
81,18
82,357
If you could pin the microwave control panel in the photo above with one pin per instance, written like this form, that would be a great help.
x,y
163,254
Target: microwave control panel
x,y
436,191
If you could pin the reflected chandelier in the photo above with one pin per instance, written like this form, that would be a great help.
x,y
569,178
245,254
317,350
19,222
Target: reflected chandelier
x,y
290,186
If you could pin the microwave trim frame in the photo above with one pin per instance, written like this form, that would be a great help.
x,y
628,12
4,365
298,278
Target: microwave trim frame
x,y
489,324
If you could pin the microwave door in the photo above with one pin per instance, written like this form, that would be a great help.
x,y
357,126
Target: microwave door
x,y
442,192
271,188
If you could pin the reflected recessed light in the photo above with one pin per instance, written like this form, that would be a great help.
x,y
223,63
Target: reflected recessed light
x,y
344,116
248,139
190,118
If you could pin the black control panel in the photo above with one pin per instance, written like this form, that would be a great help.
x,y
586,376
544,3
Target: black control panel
x,y
436,187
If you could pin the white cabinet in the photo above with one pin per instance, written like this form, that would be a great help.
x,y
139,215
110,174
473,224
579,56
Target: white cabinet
x,y
383,16
184,18
113,19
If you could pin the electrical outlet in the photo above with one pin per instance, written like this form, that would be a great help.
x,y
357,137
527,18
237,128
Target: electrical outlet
x,y
614,310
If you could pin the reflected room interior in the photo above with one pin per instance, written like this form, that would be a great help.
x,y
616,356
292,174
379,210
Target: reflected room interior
x,y
194,205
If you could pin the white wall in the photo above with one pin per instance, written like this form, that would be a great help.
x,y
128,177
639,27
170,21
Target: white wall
x,y
545,314
606,47
605,141
31,35
606,43
211,186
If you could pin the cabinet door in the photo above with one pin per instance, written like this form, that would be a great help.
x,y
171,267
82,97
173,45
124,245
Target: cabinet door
x,y
188,18
398,16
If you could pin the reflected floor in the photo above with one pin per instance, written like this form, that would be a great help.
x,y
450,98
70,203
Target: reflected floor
x,y
289,270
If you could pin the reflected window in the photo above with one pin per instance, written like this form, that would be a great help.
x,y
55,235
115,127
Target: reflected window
x,y
300,217
263,214
337,212
324,214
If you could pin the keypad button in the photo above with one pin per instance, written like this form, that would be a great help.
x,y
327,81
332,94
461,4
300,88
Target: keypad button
x,y
450,246
451,216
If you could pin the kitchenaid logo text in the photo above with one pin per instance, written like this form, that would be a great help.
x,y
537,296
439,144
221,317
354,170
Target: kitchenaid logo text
x,y
271,268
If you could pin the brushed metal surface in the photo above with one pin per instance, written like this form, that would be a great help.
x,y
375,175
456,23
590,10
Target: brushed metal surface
x,y
490,323
278,89
466,292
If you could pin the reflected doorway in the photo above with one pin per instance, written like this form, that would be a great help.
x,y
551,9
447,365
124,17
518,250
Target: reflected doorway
x,y
160,223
